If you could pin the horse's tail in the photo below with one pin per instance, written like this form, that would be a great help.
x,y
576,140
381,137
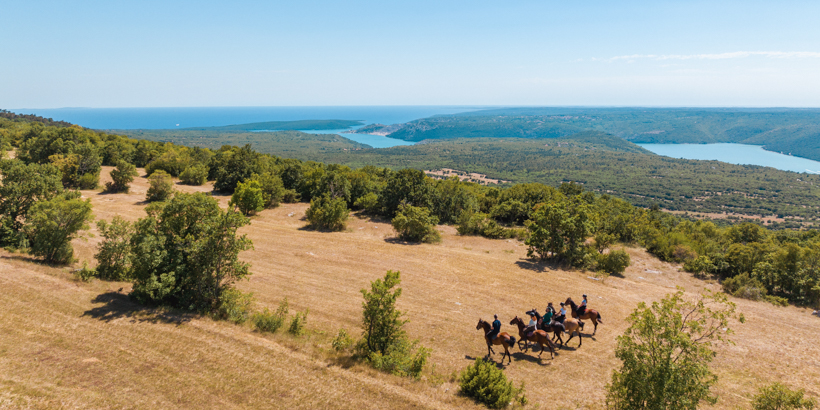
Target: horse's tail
x,y
512,341
599,318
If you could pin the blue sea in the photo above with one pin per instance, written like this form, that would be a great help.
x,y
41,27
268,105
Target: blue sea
x,y
170,118
736,154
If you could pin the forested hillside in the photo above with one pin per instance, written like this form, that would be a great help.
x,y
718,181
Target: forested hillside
x,y
795,131
643,179
601,162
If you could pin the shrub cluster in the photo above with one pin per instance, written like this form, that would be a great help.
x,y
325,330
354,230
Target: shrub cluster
x,y
484,382
327,213
416,224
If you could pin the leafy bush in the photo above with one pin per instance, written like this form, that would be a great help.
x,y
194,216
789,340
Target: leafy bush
x,y
196,174
487,384
114,252
121,177
477,223
402,358
234,306
160,186
297,324
80,168
173,161
290,196
368,202
54,223
327,213
248,198
342,341
700,266
748,287
267,321
415,224
85,274
614,262
272,188
780,397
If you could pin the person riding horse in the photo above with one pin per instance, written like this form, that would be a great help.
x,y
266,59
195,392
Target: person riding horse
x,y
492,334
582,307
562,314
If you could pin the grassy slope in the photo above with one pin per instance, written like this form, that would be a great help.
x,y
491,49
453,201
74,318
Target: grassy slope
x,y
70,344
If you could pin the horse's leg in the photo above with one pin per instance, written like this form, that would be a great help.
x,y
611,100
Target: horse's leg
x,y
595,322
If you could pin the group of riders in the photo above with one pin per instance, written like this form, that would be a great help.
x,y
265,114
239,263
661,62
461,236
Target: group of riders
x,y
550,318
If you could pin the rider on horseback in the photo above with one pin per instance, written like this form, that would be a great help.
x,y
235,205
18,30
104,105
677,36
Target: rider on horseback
x,y
562,314
548,316
531,326
583,307
493,333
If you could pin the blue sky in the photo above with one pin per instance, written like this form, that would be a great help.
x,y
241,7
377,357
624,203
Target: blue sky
x,y
270,53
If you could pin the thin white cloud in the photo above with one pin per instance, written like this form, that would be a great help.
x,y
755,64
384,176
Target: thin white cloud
x,y
718,56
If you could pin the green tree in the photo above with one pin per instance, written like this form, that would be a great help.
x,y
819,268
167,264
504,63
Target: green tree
x,y
196,174
21,186
80,168
52,224
327,213
272,188
381,320
160,186
408,186
121,177
666,352
232,165
415,224
186,253
114,252
558,230
780,397
248,198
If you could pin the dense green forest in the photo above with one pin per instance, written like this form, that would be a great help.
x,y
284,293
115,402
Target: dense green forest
x,y
601,162
795,131
643,179
38,193
292,144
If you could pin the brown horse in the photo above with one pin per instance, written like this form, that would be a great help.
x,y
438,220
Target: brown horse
x,y
555,328
588,314
538,336
573,326
503,339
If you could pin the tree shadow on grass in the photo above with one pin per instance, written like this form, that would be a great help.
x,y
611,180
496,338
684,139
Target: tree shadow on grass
x,y
396,241
117,306
536,265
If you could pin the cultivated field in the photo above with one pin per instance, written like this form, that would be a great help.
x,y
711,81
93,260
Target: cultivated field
x,y
68,344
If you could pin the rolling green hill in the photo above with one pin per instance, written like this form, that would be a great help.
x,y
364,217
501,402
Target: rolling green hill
x,y
795,131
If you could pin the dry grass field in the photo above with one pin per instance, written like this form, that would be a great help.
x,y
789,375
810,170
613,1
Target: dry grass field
x,y
69,344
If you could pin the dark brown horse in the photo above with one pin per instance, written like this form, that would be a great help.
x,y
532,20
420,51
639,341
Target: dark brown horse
x,y
556,328
588,314
538,336
503,339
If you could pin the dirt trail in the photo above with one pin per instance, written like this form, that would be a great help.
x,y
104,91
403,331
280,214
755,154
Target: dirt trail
x,y
446,288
